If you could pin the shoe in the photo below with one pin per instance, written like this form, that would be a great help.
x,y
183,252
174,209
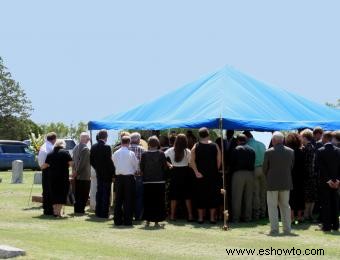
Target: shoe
x,y
273,233
200,222
213,222
190,220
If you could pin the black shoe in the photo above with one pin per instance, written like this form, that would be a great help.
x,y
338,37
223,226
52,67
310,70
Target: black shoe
x,y
190,220
212,222
200,222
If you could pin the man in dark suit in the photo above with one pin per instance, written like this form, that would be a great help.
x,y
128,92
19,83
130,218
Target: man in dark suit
x,y
328,164
101,161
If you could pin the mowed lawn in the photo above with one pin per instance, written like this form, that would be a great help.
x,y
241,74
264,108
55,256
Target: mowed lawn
x,y
86,237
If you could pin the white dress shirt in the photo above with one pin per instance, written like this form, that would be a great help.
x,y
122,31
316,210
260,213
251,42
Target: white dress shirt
x,y
45,149
125,161
170,153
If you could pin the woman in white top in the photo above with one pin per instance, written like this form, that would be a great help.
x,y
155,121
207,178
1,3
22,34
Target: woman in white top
x,y
181,176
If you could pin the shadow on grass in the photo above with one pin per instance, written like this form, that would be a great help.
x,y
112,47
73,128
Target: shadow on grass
x,y
50,217
94,218
33,208
152,227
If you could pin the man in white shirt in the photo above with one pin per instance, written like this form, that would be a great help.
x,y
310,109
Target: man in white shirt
x,y
126,164
45,149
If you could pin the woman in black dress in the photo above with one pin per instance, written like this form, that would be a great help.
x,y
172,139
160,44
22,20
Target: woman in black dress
x,y
181,175
58,163
206,161
310,175
296,199
153,165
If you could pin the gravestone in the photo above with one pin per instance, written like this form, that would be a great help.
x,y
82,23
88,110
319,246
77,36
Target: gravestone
x,y
17,170
9,252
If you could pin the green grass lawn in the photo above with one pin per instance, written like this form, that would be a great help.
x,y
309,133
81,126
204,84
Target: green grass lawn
x,y
86,237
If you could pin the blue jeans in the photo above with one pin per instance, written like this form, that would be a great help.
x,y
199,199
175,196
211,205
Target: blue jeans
x,y
103,199
139,198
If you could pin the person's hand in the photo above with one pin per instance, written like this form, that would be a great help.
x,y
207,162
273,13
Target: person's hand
x,y
222,191
74,175
337,184
170,166
198,175
331,184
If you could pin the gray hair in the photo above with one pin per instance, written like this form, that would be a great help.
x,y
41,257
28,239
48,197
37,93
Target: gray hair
x,y
60,143
278,137
135,138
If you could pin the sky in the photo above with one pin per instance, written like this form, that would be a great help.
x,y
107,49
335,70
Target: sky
x,y
83,60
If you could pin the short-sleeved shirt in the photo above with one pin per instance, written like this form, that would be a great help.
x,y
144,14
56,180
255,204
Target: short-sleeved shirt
x,y
170,153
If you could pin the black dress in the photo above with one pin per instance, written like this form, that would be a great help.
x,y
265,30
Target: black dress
x,y
311,177
207,188
296,199
58,162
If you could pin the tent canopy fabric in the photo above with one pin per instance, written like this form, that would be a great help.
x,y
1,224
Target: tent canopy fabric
x,y
240,101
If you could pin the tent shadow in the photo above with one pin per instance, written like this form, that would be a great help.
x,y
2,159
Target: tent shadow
x,y
50,217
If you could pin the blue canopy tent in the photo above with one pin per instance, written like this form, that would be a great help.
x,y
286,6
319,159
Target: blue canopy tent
x,y
229,99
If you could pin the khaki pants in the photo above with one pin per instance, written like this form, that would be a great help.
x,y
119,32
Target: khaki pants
x,y
281,199
259,199
242,193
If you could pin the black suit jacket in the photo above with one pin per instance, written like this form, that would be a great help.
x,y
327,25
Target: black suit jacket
x,y
101,161
242,158
328,163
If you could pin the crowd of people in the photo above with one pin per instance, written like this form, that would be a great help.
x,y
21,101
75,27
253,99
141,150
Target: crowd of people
x,y
299,174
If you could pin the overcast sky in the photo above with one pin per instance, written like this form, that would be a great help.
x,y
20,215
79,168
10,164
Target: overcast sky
x,y
83,60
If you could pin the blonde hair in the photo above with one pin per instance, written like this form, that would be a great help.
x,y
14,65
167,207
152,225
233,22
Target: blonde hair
x,y
60,143
308,134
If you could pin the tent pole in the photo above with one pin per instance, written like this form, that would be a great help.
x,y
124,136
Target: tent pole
x,y
225,209
91,137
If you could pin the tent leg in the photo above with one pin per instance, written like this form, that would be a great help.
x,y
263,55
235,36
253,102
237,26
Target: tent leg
x,y
91,137
225,206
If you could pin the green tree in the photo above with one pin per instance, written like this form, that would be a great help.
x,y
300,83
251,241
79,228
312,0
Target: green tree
x,y
62,130
336,105
15,108
13,101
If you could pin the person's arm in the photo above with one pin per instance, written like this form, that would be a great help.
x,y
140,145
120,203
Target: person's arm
x,y
110,165
142,164
41,158
135,162
193,163
265,165
219,157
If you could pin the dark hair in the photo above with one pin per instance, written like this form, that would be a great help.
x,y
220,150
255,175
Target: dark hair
x,y
241,138
163,141
327,135
317,130
51,136
293,140
336,135
172,139
203,132
248,134
153,142
181,143
126,139
230,133
102,134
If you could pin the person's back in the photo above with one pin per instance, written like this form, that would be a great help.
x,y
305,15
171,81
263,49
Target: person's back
x,y
328,162
242,158
153,166
81,161
206,158
100,158
277,166
259,149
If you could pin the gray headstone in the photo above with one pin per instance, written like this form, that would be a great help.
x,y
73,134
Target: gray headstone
x,y
9,252
37,178
17,170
